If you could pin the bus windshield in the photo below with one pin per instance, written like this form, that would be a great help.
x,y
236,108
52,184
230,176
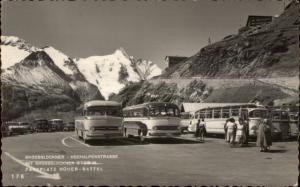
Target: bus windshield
x,y
258,114
164,111
185,115
104,110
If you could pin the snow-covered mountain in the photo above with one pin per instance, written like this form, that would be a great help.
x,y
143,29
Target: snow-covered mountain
x,y
109,73
13,50
145,68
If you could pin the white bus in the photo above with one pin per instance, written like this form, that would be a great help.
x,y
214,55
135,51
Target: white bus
x,y
100,120
152,120
215,117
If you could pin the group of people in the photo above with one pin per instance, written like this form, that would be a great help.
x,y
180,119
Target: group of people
x,y
237,131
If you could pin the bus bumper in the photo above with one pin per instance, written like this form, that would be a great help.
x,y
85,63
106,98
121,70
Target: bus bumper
x,y
97,135
162,134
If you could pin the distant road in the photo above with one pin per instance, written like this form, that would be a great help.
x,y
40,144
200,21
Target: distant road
x,y
291,83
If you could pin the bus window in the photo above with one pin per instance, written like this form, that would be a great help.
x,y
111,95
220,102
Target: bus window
x,y
235,112
101,111
284,115
137,113
225,113
202,114
164,111
209,114
258,114
244,114
276,115
145,112
185,116
217,113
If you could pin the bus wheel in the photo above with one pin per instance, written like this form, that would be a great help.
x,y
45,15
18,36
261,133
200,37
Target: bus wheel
x,y
76,133
125,135
141,136
84,138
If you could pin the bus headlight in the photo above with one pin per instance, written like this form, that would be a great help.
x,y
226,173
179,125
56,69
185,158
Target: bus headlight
x,y
92,128
154,128
120,128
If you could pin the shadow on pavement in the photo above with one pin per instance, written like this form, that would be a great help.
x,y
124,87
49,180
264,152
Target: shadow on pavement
x,y
276,151
136,141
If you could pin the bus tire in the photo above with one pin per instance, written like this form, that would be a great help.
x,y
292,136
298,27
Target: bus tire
x,y
84,138
141,136
76,133
125,135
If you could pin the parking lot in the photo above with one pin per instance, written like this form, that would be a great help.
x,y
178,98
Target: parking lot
x,y
180,161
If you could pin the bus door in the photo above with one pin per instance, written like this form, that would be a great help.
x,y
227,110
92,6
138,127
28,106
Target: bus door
x,y
280,120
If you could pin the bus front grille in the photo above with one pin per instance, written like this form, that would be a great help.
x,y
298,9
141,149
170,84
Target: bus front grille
x,y
108,128
167,127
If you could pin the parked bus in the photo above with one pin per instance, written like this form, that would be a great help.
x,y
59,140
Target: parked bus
x,y
56,124
152,120
280,120
294,123
41,125
99,120
215,118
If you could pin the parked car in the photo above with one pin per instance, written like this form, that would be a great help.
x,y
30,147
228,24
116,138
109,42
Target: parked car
x,y
69,126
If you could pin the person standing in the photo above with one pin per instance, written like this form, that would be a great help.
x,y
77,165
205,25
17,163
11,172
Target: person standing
x,y
240,132
197,132
231,131
225,129
264,137
202,129
246,128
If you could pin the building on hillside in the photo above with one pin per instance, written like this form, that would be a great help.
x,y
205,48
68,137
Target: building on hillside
x,y
254,23
174,60
254,20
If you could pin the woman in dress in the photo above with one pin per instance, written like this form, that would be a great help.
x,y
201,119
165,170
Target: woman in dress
x,y
264,138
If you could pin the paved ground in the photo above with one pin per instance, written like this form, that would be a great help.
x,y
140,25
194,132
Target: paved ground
x,y
168,162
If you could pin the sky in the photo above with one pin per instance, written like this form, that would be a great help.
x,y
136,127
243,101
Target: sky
x,y
149,29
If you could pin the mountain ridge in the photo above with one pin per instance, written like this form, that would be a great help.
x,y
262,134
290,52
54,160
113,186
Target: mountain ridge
x,y
269,50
